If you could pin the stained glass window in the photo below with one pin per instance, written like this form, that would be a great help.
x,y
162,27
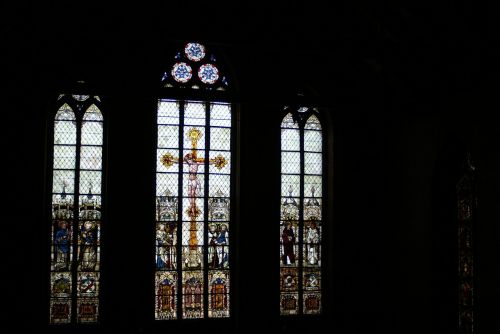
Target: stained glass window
x,y
466,197
301,212
193,201
76,210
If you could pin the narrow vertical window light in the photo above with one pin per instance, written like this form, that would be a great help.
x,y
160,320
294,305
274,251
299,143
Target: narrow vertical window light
x,y
76,210
301,212
466,198
193,193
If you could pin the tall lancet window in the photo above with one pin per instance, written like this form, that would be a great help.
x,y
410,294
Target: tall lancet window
x,y
76,210
466,206
301,212
193,189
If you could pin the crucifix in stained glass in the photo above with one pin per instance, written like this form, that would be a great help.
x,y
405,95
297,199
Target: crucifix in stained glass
x,y
193,162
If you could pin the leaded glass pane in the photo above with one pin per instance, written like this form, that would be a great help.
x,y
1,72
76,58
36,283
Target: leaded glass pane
x,y
91,157
195,114
220,115
168,136
290,162
64,133
290,140
92,133
313,163
168,112
312,141
64,157
220,139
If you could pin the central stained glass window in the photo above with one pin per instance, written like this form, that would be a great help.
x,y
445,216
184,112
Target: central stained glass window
x,y
193,190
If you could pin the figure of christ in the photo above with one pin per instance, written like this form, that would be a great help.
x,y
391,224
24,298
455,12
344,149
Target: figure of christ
x,y
193,162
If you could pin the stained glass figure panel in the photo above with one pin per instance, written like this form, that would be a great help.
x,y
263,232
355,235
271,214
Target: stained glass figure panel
x,y
218,294
60,310
289,254
88,310
312,302
62,248
289,303
166,295
192,296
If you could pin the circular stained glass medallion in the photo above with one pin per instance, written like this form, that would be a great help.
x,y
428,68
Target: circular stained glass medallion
x,y
195,51
182,72
208,73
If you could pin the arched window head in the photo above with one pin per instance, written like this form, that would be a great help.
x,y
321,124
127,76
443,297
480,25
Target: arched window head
x,y
301,222
195,67
76,207
194,190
